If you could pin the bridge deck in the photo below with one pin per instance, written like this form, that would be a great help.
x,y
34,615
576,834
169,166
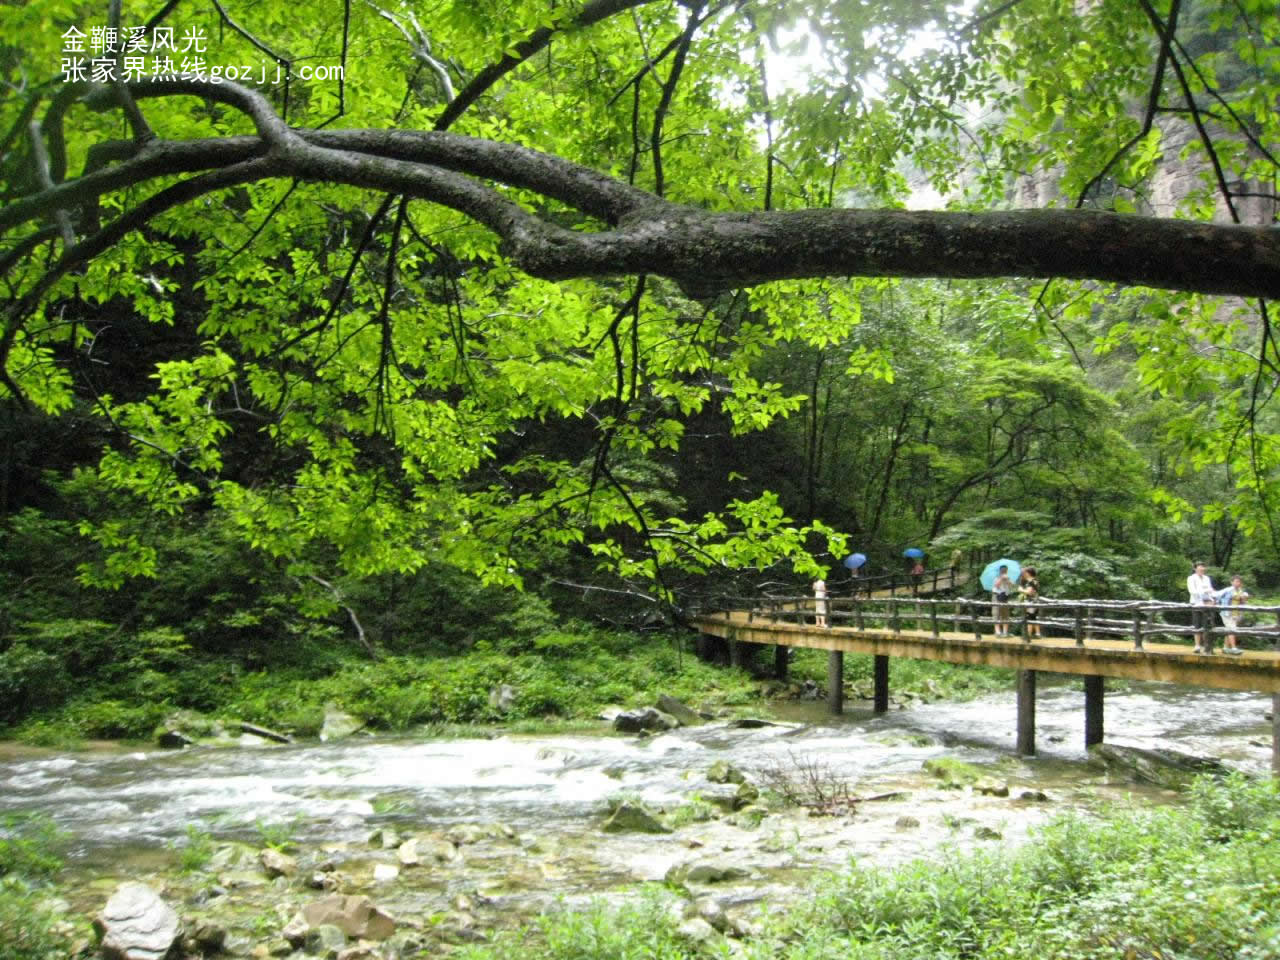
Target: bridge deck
x,y
1167,662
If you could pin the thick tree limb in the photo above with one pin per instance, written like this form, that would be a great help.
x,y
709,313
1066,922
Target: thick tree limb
x,y
704,252
707,253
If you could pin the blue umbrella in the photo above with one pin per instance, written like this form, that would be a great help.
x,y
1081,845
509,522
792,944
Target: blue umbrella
x,y
854,560
992,570
915,553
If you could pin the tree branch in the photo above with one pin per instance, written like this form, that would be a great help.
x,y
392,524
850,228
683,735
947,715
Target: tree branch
x,y
592,12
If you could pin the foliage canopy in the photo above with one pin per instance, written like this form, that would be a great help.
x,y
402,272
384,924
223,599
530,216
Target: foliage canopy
x,y
452,290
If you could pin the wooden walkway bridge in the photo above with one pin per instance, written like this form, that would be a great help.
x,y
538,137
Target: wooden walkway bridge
x,y
1095,639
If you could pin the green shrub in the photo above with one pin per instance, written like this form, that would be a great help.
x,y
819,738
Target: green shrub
x,y
30,845
195,852
30,679
27,924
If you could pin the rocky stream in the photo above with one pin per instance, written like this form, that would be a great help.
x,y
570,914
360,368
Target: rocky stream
x,y
376,847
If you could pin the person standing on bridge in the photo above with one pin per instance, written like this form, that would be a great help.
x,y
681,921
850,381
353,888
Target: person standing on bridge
x,y
1229,598
1000,591
820,602
1029,587
1200,593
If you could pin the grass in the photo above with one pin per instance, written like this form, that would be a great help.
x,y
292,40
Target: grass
x,y
559,687
1193,882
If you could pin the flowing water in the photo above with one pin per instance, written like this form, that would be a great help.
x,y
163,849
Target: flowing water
x,y
549,792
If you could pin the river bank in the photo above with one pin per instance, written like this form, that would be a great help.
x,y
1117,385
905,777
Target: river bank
x,y
509,827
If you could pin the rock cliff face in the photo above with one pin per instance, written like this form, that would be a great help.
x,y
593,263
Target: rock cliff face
x,y
1179,174
1178,177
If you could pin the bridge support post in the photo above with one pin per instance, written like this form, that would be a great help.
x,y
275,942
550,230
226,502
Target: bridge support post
x,y
1275,735
880,674
1093,694
1027,713
739,653
835,682
711,649
780,653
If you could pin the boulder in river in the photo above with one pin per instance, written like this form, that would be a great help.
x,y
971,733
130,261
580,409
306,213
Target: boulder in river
x,y
724,772
137,925
354,916
681,711
637,721
338,724
1163,767
991,787
633,818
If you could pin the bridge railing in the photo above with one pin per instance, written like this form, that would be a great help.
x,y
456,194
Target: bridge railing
x,y
1084,620
909,584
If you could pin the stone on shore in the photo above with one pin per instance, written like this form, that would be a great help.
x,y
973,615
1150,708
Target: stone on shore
x,y
136,924
354,916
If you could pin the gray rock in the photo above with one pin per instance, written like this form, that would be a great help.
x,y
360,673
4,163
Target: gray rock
x,y
724,772
697,930
465,833
638,721
710,910
338,724
409,854
906,823
295,931
263,733
986,833
1033,796
325,940
991,788
323,881
354,916
136,924
277,864
502,698
752,723
386,838
681,711
209,936
174,740
746,795
704,872
1165,768
632,818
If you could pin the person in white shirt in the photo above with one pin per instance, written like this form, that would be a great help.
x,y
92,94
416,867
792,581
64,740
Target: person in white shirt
x,y
820,602
1201,593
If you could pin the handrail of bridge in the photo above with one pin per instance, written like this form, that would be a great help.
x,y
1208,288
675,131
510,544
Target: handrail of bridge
x,y
931,581
1085,620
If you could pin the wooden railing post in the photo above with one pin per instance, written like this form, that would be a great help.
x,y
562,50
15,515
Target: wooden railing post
x,y
973,613
1026,634
1079,627
1275,717
1137,629
895,622
857,615
933,618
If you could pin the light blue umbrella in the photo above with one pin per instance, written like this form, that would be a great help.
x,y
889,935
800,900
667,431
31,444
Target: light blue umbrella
x,y
992,570
854,560
915,553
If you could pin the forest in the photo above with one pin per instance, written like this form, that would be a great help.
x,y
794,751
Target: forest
x,y
382,352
